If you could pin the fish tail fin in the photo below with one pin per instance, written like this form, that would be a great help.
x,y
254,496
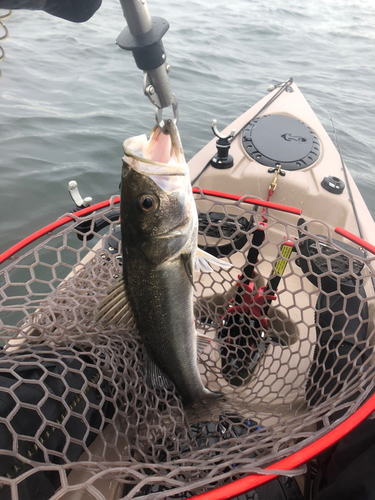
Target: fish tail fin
x,y
205,399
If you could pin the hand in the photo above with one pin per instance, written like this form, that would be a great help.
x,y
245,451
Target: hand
x,y
77,11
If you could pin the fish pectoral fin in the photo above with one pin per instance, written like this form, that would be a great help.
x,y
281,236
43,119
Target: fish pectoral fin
x,y
155,376
202,343
203,261
188,265
115,309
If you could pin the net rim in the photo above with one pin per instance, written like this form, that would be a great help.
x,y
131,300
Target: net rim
x,y
116,199
294,460
55,225
297,458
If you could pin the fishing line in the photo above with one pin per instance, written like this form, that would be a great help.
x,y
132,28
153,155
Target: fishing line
x,y
351,199
283,87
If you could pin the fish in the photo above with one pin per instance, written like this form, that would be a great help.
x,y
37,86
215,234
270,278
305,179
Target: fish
x,y
159,228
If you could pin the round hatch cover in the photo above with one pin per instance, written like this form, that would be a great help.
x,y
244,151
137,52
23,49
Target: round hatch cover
x,y
280,139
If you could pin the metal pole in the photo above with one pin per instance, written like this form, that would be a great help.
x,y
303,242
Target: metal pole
x,y
143,37
137,16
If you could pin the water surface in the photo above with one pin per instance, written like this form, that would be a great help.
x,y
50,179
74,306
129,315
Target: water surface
x,y
69,96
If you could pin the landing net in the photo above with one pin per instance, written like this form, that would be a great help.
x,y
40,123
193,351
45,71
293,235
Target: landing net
x,y
289,337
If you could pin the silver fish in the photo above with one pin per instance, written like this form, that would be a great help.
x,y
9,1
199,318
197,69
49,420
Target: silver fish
x,y
159,226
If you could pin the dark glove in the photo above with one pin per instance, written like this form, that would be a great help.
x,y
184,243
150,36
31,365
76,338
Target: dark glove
x,y
77,11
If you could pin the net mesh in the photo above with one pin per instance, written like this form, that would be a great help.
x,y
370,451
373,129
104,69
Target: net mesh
x,y
289,336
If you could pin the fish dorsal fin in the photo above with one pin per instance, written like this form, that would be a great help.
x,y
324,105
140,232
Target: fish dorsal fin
x,y
188,265
155,376
115,309
203,261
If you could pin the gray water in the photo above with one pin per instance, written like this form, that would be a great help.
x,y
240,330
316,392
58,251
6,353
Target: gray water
x,y
69,96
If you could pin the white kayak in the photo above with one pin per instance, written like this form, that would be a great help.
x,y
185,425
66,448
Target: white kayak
x,y
286,131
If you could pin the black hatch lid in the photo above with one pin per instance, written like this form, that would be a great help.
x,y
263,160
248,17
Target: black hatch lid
x,y
280,139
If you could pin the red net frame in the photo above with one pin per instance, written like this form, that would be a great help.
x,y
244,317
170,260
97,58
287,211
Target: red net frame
x,y
295,459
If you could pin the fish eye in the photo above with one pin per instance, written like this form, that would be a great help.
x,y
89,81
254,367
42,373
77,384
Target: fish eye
x,y
147,203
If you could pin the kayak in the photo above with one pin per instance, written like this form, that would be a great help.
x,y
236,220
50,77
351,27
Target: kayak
x,y
283,129
284,335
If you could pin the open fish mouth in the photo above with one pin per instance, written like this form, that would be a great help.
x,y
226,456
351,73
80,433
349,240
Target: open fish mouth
x,y
161,158
161,155
153,167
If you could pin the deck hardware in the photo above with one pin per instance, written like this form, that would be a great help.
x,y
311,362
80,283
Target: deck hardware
x,y
333,184
77,198
222,159
273,170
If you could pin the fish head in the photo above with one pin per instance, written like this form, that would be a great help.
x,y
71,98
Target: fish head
x,y
158,211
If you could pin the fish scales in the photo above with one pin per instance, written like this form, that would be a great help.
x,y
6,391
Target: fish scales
x,y
161,301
